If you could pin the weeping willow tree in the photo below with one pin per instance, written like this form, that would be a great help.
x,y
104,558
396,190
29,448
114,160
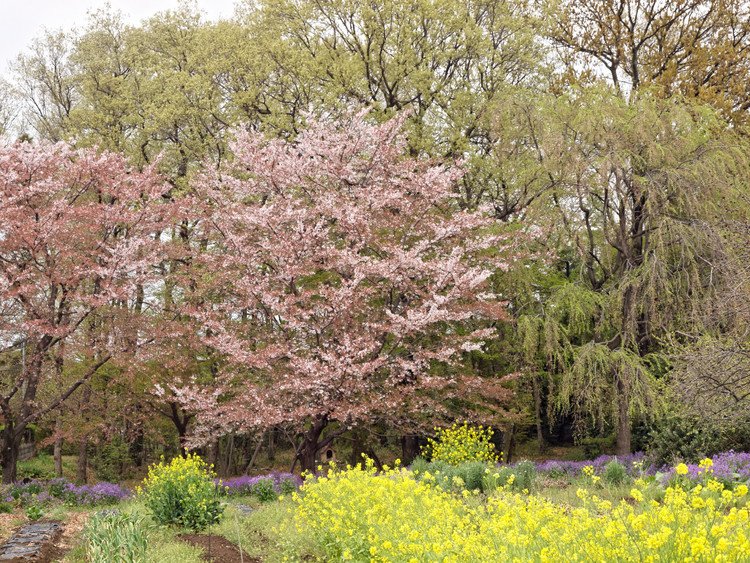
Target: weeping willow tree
x,y
637,217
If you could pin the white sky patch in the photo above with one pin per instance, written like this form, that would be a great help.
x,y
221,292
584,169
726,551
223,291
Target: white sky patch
x,y
23,20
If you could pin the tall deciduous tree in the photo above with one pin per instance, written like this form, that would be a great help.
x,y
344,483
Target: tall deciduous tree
x,y
8,107
339,281
695,48
643,191
77,246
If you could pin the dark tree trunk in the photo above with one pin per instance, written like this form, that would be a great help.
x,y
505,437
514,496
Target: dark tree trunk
x,y
623,419
9,443
228,458
509,443
359,446
213,453
409,448
310,446
254,456
138,448
536,387
272,444
307,457
180,421
10,439
57,451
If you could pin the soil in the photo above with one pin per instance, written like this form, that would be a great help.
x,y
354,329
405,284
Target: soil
x,y
8,525
72,529
221,549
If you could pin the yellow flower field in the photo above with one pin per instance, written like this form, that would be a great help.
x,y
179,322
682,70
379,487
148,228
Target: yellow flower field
x,y
360,515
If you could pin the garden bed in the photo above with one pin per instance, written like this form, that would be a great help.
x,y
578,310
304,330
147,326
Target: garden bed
x,y
218,549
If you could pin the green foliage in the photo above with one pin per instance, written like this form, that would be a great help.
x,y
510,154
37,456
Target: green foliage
x,y
519,477
112,537
460,443
182,493
476,476
419,465
38,467
471,473
589,385
34,512
264,490
525,472
287,486
594,446
5,507
614,473
111,459
681,437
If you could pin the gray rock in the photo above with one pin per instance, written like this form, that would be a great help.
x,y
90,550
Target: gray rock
x,y
29,541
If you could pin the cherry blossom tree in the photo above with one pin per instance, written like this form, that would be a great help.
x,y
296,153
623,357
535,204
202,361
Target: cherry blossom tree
x,y
339,282
77,247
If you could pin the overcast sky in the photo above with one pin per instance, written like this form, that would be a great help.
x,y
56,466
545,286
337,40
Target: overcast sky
x,y
22,20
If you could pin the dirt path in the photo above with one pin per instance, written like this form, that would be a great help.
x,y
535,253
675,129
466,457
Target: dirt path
x,y
218,549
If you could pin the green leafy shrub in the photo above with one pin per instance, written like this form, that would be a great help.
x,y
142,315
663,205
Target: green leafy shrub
x,y
5,507
265,491
471,473
182,492
519,477
677,437
476,476
615,473
419,465
112,537
34,512
460,443
525,472
288,486
594,447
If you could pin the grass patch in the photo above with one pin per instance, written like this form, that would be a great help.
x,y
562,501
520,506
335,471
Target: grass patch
x,y
265,533
43,467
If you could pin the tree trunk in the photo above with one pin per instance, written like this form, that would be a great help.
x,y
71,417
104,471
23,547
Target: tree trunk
x,y
308,450
9,453
180,421
10,440
83,462
623,419
409,448
536,387
359,447
228,458
272,444
213,452
509,443
57,452
254,456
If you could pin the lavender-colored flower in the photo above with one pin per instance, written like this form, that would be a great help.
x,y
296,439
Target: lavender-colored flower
x,y
634,464
100,493
37,491
728,466
247,485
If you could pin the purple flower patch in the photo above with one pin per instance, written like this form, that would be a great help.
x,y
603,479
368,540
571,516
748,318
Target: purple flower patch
x,y
265,487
